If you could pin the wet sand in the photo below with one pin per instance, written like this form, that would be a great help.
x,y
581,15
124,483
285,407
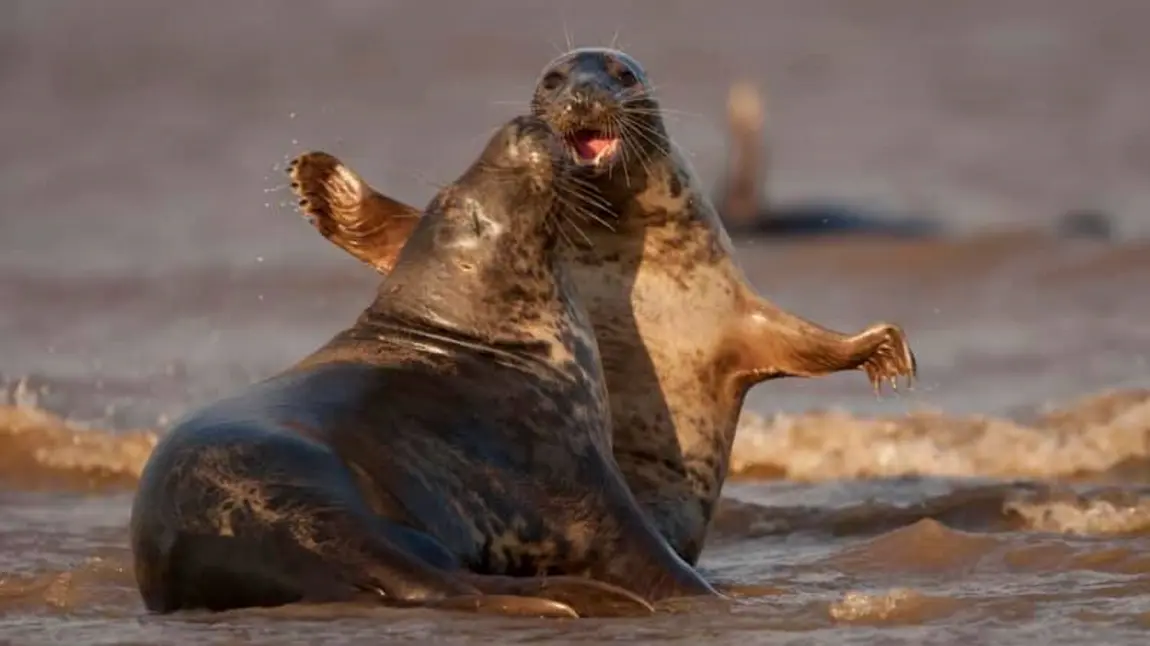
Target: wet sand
x,y
150,261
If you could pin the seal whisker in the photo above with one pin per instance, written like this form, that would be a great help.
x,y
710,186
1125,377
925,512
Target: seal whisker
x,y
638,93
591,187
577,201
588,194
653,112
560,221
653,137
632,130
615,131
570,38
592,201
589,199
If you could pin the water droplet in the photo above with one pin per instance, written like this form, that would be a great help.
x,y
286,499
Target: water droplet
x,y
259,258
261,297
295,142
291,116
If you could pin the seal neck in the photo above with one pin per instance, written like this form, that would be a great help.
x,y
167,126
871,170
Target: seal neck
x,y
505,292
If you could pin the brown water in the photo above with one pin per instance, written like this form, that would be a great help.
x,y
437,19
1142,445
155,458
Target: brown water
x,y
144,270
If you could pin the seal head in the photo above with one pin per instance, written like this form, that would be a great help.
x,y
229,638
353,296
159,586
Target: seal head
x,y
599,101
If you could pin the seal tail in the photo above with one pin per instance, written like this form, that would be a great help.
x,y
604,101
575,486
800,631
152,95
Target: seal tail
x,y
742,195
349,212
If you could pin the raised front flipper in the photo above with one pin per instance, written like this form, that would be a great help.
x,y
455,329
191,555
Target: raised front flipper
x,y
350,213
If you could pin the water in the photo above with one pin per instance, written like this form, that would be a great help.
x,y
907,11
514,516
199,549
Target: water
x,y
150,261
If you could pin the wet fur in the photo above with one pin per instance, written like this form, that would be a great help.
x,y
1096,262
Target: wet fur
x,y
681,333
460,427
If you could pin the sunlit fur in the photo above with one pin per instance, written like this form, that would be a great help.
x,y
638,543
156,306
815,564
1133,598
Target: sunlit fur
x,y
682,333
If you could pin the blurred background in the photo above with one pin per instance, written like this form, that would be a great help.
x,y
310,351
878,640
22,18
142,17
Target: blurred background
x,y
151,257
145,204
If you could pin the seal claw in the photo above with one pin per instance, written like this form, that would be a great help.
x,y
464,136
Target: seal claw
x,y
595,598
503,604
588,597
890,358
331,194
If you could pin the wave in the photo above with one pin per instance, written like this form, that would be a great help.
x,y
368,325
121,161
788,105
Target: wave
x,y
1094,435
42,451
1105,436
970,505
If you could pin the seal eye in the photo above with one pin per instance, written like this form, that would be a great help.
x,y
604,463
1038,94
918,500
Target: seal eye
x,y
628,78
552,80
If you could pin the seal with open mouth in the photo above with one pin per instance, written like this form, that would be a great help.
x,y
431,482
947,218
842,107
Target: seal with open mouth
x,y
452,448
683,336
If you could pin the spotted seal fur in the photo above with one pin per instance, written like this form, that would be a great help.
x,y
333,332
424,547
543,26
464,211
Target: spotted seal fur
x,y
682,333
451,448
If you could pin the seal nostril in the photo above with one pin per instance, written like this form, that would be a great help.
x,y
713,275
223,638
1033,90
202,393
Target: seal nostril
x,y
628,78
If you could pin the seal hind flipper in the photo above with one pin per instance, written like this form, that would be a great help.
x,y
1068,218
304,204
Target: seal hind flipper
x,y
587,597
508,605
349,212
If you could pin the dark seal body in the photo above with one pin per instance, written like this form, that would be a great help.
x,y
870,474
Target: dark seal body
x,y
682,333
460,428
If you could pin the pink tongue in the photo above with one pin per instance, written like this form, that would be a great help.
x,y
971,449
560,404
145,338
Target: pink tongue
x,y
590,147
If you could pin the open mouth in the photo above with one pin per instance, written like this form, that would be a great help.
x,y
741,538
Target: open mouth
x,y
592,147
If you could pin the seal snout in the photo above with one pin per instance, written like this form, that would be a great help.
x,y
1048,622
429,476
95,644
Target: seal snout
x,y
588,108
587,113
529,143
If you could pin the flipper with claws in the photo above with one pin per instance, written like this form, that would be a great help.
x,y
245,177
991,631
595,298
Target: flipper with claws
x,y
585,597
772,342
350,213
